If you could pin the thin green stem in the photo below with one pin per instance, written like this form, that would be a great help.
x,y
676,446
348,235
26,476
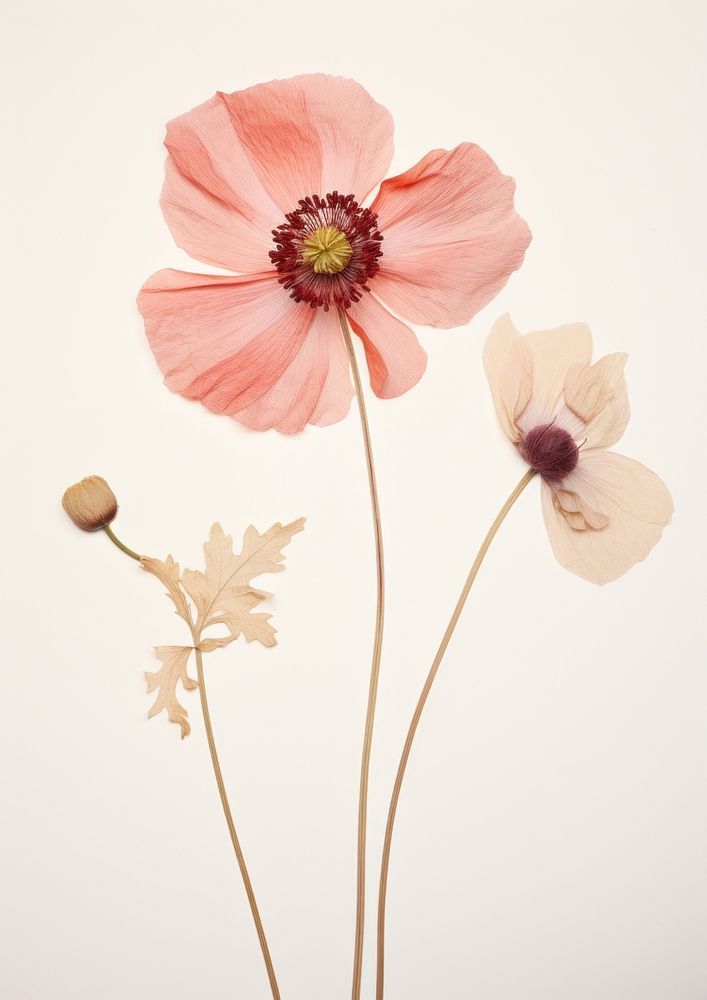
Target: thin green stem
x,y
375,669
121,545
414,722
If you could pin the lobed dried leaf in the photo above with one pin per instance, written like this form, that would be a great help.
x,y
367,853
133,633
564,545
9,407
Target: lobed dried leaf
x,y
221,595
225,586
174,669
168,573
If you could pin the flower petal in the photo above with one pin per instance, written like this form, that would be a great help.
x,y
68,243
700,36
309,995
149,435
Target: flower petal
x,y
554,353
509,369
396,361
312,134
596,399
315,388
451,236
607,515
212,198
223,340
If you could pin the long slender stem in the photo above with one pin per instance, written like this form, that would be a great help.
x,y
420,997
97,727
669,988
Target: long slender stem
x,y
375,671
195,629
414,722
232,826
121,545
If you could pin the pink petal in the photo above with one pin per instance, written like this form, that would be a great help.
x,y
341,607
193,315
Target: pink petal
x,y
596,402
223,340
451,236
606,516
315,388
396,361
312,135
212,198
508,363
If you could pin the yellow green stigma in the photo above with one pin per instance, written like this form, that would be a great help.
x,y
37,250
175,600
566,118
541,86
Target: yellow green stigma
x,y
327,250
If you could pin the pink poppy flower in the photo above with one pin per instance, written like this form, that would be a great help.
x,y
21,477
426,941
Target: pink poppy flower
x,y
270,182
603,512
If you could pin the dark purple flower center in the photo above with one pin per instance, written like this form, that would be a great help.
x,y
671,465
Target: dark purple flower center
x,y
327,251
550,450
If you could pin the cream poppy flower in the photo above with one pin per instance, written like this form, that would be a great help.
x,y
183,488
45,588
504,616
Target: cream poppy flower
x,y
603,512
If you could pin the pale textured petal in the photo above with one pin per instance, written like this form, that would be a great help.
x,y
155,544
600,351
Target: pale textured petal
x,y
222,340
396,361
509,370
607,515
554,353
315,388
311,135
451,236
597,398
212,198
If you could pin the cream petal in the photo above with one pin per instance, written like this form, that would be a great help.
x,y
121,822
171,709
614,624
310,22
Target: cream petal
x,y
554,353
577,511
509,370
607,515
597,400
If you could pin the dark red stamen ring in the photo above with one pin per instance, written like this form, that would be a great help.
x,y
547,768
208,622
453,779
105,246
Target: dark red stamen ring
x,y
359,226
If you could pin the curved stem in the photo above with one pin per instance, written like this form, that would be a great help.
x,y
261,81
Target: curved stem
x,y
232,826
116,541
414,722
195,630
375,670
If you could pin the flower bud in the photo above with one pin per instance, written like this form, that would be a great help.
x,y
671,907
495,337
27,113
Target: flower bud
x,y
91,504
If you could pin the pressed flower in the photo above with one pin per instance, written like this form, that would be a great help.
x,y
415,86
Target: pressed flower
x,y
270,182
604,512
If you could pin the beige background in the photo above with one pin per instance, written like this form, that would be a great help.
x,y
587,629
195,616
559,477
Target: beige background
x,y
551,837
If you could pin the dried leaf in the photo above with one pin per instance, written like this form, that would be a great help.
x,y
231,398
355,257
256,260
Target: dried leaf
x,y
168,573
209,645
236,615
223,594
174,669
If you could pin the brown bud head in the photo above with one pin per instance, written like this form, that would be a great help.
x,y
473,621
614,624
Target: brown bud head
x,y
91,504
